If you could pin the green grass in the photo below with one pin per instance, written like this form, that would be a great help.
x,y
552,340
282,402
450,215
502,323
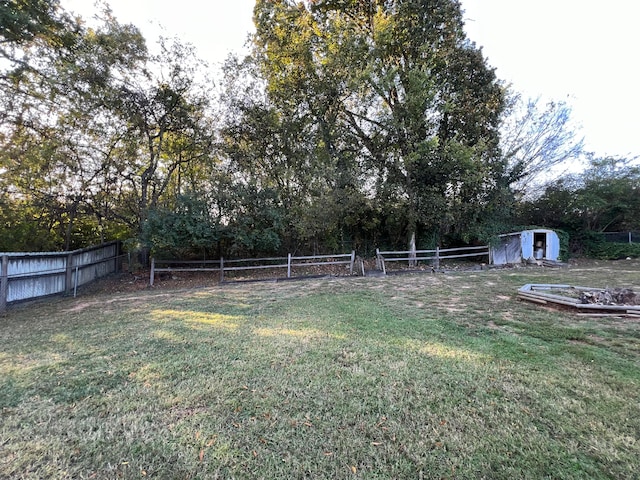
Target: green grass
x,y
415,376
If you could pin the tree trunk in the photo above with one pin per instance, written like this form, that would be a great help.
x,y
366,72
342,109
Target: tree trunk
x,y
412,250
69,230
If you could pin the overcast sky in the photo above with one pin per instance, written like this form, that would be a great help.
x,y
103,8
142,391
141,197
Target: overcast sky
x,y
573,50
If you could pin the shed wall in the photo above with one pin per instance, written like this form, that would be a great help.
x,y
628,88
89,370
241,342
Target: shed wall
x,y
519,246
509,251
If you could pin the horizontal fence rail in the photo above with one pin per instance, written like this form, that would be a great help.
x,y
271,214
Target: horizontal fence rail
x,y
434,256
26,276
223,265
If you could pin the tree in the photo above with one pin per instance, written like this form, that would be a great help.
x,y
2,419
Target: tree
x,y
58,130
166,130
605,197
30,30
610,195
100,131
535,140
23,21
284,143
410,101
25,226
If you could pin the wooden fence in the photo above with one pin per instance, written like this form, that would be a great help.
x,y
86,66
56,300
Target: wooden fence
x,y
432,256
25,276
221,266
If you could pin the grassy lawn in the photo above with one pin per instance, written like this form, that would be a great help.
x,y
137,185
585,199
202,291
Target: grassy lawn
x,y
412,376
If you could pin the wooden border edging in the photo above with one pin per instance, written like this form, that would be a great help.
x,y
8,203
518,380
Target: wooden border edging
x,y
532,292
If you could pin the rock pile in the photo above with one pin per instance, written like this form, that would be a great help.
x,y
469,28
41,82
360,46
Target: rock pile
x,y
615,296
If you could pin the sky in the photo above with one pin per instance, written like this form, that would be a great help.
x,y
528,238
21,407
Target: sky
x,y
580,52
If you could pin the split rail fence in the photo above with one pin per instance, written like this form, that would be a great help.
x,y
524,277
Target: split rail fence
x,y
26,276
432,256
221,266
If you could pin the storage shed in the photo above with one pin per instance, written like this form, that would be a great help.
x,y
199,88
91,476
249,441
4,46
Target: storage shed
x,y
517,247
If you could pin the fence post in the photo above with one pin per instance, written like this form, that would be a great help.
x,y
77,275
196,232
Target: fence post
x,y
353,260
289,266
152,273
4,283
630,238
221,270
75,283
69,274
437,262
380,262
412,251
118,265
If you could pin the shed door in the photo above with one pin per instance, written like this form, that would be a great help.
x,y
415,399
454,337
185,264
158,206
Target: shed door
x,y
553,246
526,240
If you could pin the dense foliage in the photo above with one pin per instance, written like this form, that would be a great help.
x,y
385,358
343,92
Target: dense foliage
x,y
351,125
605,197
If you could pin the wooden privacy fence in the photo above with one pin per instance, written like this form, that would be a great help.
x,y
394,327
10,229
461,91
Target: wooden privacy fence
x,y
433,256
221,266
25,276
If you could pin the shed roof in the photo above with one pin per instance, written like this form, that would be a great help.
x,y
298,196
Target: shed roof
x,y
534,230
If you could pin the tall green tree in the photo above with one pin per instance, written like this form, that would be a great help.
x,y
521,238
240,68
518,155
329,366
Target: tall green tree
x,y
610,195
99,131
55,142
396,90
23,21
165,130
287,140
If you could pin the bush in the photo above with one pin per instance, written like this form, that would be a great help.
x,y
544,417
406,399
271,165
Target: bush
x,y
612,251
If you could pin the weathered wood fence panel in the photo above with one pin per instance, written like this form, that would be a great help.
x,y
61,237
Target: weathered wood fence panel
x,y
223,265
26,276
95,263
434,256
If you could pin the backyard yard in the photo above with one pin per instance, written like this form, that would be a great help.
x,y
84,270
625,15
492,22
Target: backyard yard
x,y
443,375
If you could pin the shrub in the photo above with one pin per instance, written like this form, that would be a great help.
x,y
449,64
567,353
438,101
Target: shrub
x,y
611,251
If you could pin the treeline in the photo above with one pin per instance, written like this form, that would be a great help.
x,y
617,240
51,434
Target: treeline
x,y
350,125
605,197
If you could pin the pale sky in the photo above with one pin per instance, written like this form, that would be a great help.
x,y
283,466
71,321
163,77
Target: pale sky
x,y
574,50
